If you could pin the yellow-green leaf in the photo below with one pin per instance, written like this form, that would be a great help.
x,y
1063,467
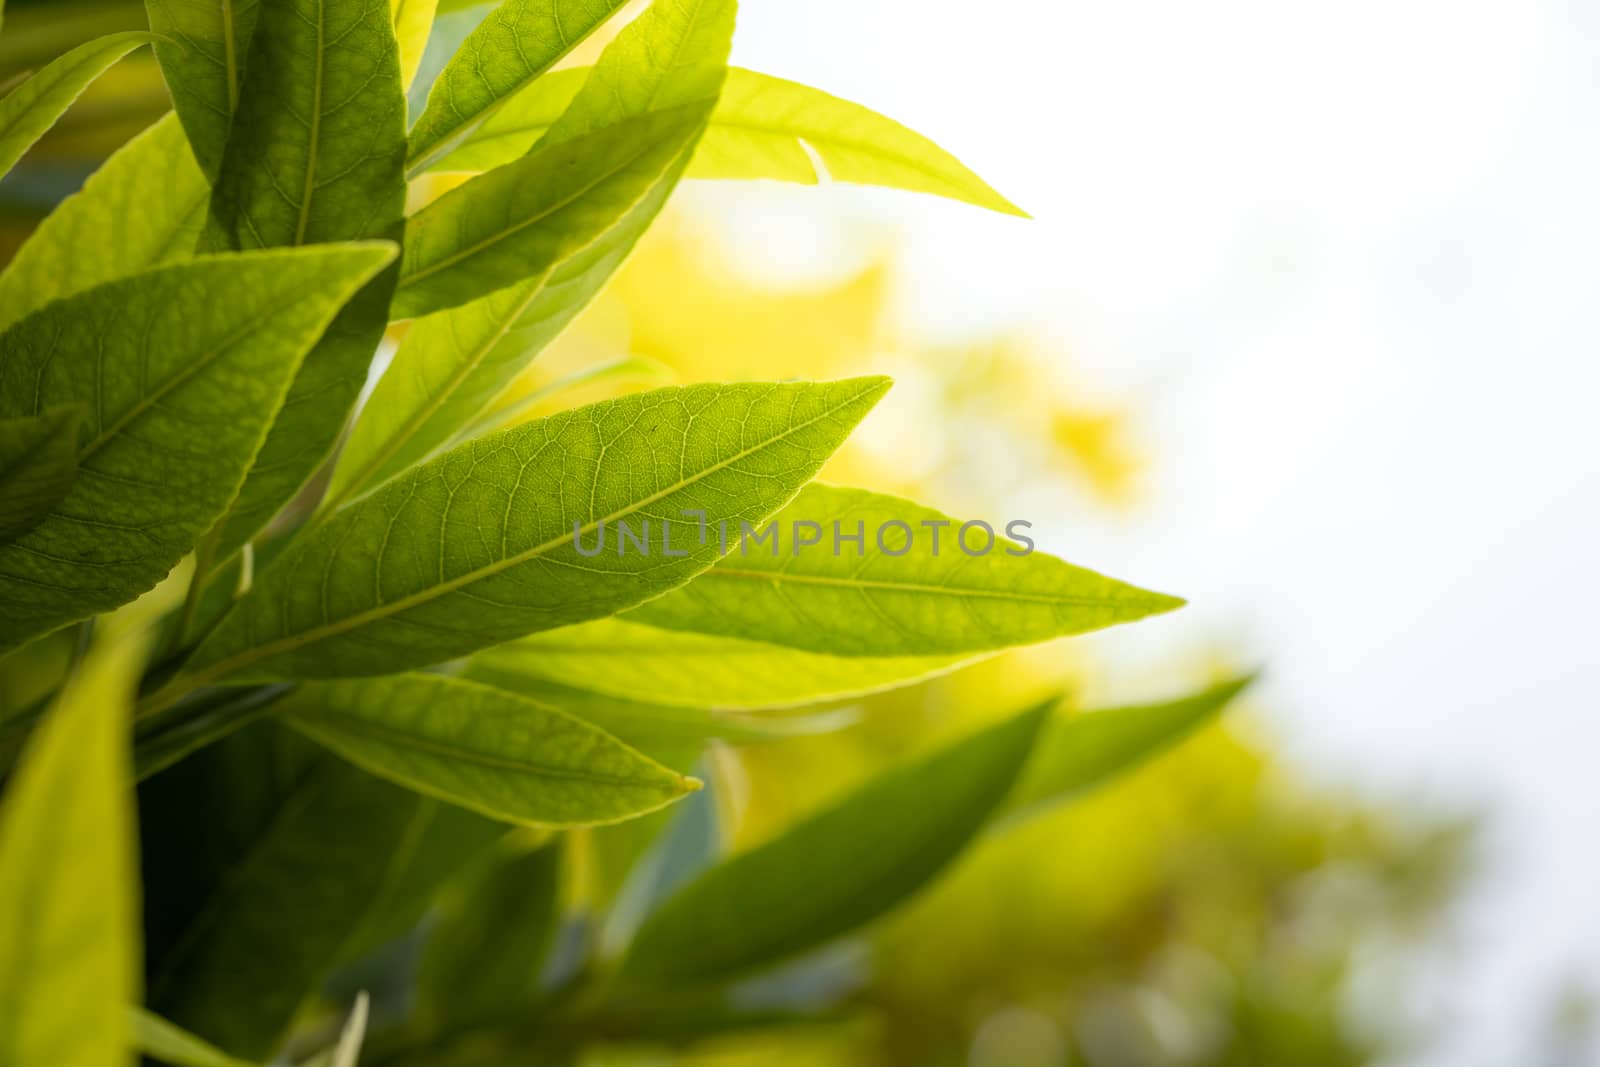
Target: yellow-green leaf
x,y
631,661
1078,753
509,50
484,749
413,22
34,106
482,545
145,207
915,583
762,127
178,372
69,934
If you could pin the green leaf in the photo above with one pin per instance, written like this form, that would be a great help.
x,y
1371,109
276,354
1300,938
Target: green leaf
x,y
34,106
455,362
477,547
525,218
38,461
413,22
162,1041
675,736
763,127
145,207
202,52
485,749
178,372
264,855
932,598
516,44
1076,754
69,942
645,663
489,939
836,870
317,154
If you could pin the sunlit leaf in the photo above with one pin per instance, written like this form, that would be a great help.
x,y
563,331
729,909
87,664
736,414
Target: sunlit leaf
x,y
178,372
516,44
483,748
527,217
646,663
413,22
907,588
202,56
316,154
69,941
455,362
143,208
482,544
34,106
1077,753
38,461
763,127
836,870
672,734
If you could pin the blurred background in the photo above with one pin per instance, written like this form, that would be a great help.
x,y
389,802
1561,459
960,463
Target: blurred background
x,y
1304,328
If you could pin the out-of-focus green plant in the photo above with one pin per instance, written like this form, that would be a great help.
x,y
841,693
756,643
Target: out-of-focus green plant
x,y
357,649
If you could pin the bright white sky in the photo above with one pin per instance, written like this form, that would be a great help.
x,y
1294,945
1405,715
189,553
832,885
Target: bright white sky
x,y
1346,258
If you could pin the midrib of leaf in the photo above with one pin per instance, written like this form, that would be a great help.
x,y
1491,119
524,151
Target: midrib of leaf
x,y
149,400
518,227
897,587
375,732
315,131
186,682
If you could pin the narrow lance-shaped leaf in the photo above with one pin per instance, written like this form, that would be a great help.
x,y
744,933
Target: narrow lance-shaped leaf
x,y
485,749
488,941
177,372
145,207
763,127
413,22
69,941
516,44
455,362
34,106
525,218
1078,753
164,1042
836,870
671,734
316,155
264,855
202,52
646,663
38,461
493,540
915,583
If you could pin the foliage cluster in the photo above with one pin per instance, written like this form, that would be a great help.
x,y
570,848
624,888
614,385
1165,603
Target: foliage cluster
x,y
348,648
